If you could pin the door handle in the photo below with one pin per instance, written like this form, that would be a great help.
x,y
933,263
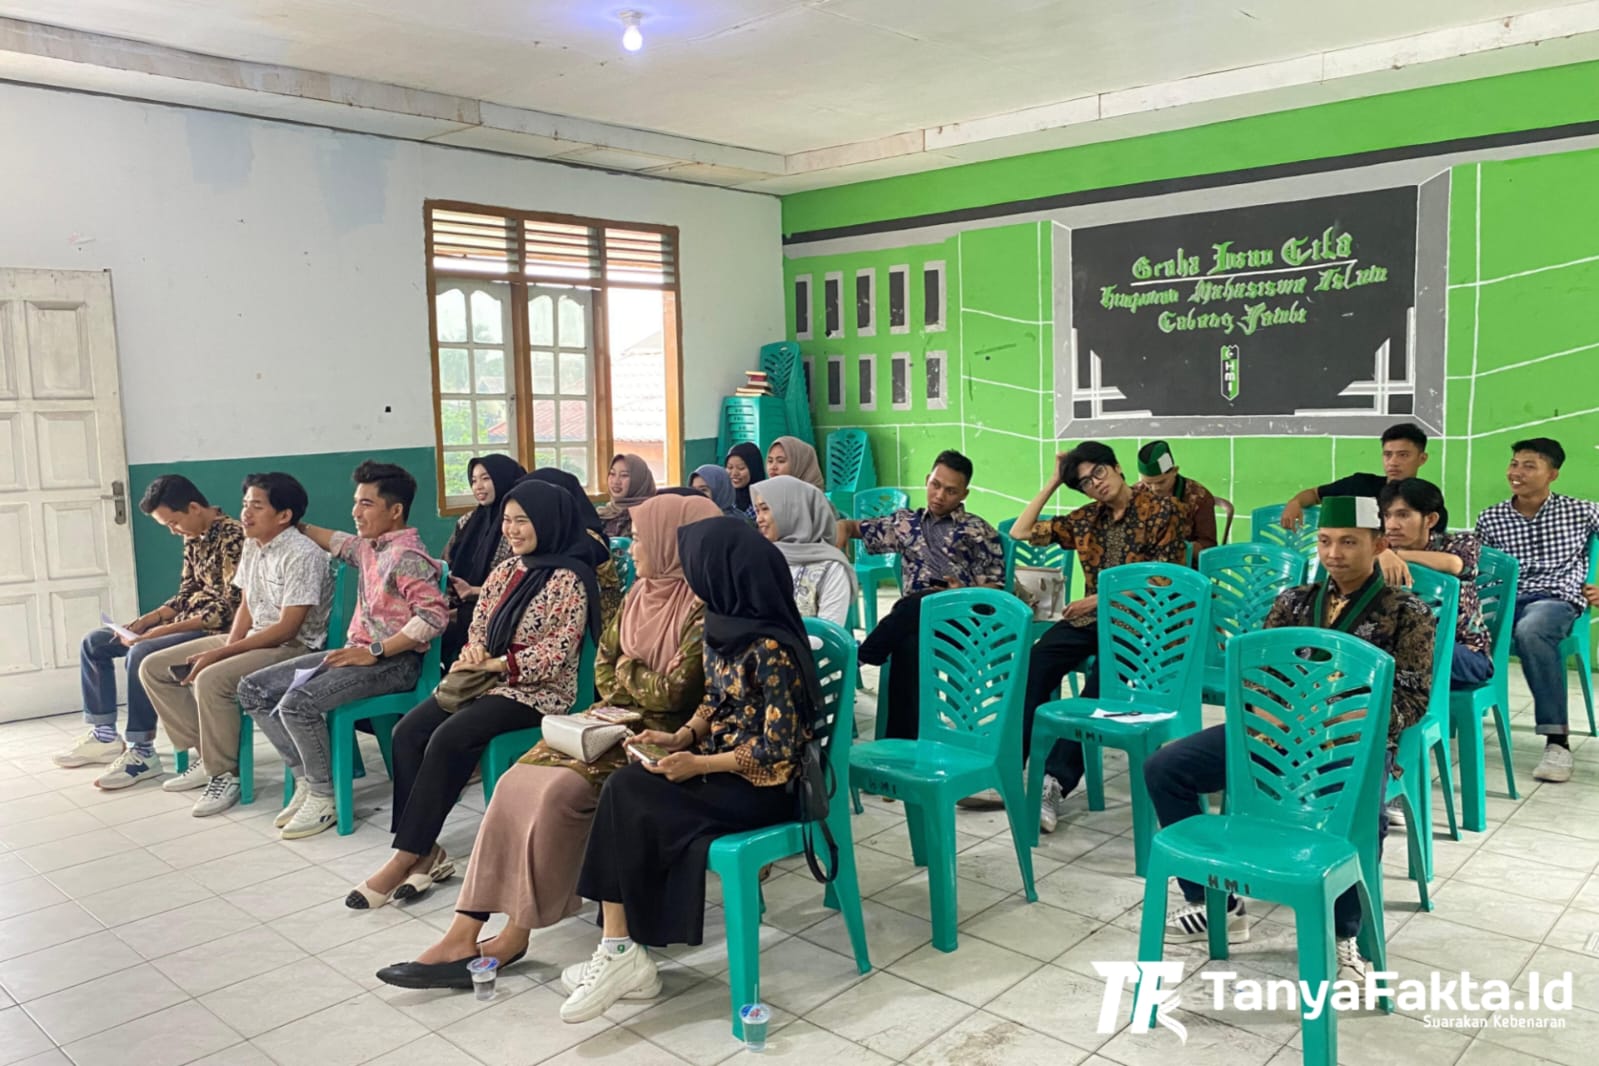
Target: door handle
x,y
119,500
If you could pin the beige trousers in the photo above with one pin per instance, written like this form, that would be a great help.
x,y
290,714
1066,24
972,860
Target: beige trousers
x,y
206,715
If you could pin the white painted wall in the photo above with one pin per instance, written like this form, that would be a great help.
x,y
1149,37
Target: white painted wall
x,y
269,278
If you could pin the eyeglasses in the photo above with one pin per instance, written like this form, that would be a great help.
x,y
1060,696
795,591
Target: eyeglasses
x,y
1095,476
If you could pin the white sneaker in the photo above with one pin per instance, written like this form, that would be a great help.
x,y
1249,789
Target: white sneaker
x,y
295,803
987,800
316,813
1555,765
192,778
1396,816
573,976
87,751
610,976
1351,967
1191,925
128,770
1049,809
221,792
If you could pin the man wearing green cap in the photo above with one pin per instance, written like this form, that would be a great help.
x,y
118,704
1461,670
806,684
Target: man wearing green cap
x,y
1158,472
1354,599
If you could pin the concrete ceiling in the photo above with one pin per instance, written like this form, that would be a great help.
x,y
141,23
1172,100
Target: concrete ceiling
x,y
775,95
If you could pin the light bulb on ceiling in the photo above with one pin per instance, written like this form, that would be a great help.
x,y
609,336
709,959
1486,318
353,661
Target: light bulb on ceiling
x,y
632,36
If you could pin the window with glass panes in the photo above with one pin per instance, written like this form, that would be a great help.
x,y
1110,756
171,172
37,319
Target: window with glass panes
x,y
554,341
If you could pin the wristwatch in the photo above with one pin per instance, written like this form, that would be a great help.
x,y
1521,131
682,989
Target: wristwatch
x,y
376,648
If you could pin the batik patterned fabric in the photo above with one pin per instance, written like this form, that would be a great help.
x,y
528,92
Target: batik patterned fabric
x,y
959,547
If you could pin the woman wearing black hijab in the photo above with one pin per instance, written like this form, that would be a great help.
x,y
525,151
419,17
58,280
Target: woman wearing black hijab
x,y
596,551
476,547
529,626
726,771
745,466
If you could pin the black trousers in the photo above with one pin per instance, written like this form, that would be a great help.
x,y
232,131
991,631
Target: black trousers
x,y
897,640
1179,773
1062,649
434,754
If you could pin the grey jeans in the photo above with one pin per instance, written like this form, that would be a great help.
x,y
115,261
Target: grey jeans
x,y
296,722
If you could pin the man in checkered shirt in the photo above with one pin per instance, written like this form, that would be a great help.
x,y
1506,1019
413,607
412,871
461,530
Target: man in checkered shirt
x,y
1548,534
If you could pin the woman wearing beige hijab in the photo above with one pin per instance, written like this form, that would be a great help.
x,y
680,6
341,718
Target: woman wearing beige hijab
x,y
530,845
792,456
629,483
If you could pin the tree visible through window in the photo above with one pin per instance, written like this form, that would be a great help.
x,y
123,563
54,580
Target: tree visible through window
x,y
555,340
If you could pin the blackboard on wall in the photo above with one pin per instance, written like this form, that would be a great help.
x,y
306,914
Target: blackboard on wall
x,y
1298,316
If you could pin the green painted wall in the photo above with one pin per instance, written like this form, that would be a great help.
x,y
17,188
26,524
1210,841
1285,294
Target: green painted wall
x,y
1533,100
1522,347
326,477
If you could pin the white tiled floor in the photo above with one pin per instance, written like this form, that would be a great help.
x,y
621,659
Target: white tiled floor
x,y
132,933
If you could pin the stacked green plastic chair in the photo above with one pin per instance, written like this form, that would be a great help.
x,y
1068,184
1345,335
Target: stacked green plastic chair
x,y
1498,576
1430,736
1244,582
974,651
737,859
1307,724
1153,618
785,373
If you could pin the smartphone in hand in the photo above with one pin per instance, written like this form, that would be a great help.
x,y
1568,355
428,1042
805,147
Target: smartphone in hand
x,y
648,754
180,671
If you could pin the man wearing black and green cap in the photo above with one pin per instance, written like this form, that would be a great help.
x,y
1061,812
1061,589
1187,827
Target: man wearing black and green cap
x,y
1353,598
1159,473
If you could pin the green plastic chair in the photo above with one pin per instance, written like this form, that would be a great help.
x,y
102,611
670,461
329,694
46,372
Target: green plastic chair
x,y
503,751
873,570
1301,821
850,468
622,556
1430,736
1579,642
1244,582
1498,575
1152,621
382,712
737,859
1265,527
974,652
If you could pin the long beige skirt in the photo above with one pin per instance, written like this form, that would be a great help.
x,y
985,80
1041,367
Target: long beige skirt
x,y
530,846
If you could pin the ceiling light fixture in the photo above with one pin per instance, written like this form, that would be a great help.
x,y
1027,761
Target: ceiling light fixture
x,y
632,36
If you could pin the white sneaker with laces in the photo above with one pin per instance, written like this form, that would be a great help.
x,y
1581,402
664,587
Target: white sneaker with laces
x,y
316,813
1049,809
288,812
221,792
128,770
608,977
1351,967
192,778
574,974
1555,766
87,751
1397,821
1191,925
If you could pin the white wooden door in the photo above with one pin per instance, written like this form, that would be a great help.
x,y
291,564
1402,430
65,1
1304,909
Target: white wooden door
x,y
66,548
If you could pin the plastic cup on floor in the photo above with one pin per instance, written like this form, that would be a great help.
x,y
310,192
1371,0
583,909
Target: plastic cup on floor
x,y
483,972
755,1016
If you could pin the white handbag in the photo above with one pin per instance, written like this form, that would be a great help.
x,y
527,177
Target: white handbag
x,y
581,737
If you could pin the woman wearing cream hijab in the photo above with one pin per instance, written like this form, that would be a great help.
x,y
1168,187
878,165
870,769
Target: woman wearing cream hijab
x,y
797,518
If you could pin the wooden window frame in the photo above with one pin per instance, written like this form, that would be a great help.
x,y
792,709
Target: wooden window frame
x,y
519,368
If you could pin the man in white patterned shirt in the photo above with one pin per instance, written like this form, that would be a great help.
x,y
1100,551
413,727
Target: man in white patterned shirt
x,y
1548,534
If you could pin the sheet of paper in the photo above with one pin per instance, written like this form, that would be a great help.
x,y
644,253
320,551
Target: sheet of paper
x,y
1161,717
302,676
120,630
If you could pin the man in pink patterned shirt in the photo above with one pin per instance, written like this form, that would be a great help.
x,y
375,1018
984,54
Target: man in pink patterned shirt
x,y
399,610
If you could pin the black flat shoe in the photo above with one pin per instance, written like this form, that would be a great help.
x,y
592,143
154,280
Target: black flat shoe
x,y
429,974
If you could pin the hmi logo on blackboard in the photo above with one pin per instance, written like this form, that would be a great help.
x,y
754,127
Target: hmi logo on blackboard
x,y
1230,358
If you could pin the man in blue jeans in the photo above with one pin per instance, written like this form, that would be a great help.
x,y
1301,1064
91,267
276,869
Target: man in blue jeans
x,y
1548,534
205,603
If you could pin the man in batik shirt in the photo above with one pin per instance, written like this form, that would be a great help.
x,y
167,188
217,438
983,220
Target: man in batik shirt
x,y
1159,473
941,546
